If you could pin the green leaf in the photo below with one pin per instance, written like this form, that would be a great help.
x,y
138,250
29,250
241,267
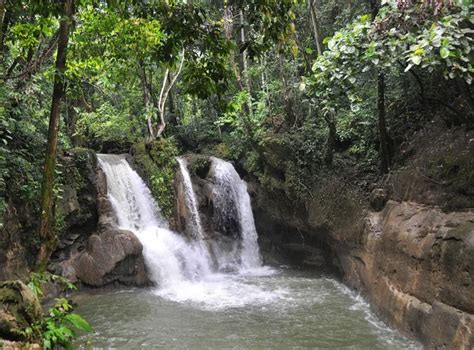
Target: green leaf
x,y
416,60
78,322
444,52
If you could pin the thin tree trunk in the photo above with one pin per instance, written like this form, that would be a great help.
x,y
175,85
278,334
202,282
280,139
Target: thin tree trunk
x,y
2,16
4,22
314,23
286,96
384,139
47,235
229,33
172,107
147,97
331,140
245,64
244,53
165,90
307,60
383,135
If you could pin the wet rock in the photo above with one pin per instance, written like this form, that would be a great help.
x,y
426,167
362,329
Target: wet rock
x,y
413,262
417,271
76,212
113,256
19,309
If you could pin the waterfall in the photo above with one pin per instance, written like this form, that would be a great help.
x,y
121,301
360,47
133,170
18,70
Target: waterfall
x,y
131,199
232,198
191,201
170,259
180,267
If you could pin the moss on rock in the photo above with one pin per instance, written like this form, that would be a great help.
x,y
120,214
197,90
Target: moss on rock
x,y
156,162
19,309
199,165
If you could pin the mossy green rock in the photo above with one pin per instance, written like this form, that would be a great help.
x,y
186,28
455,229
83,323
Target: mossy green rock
x,y
19,309
156,164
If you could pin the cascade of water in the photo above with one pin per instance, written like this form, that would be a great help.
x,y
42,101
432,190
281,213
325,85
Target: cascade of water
x,y
170,258
181,268
231,195
129,195
191,201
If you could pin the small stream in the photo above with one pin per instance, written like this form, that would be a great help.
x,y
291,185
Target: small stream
x,y
284,310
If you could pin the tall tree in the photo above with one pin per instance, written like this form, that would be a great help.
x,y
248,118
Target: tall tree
x,y
314,23
384,139
47,234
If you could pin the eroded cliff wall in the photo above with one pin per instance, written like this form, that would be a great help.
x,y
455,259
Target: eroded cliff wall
x,y
408,247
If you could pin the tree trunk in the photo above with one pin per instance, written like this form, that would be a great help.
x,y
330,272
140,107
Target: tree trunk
x,y
172,107
168,83
286,94
244,53
331,140
384,140
374,7
147,98
2,16
384,150
314,23
4,22
229,33
47,234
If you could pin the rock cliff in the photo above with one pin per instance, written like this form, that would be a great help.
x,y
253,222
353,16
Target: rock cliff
x,y
408,247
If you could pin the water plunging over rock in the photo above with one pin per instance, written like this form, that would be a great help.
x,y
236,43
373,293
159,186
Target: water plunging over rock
x,y
169,257
191,202
181,266
213,188
181,269
232,203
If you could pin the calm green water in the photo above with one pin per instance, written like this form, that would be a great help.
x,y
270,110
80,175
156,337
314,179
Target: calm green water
x,y
279,310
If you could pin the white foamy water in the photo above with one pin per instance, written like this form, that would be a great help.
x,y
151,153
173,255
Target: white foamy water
x,y
191,199
231,192
181,268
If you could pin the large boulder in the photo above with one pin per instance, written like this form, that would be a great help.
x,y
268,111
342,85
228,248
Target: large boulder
x,y
19,309
111,256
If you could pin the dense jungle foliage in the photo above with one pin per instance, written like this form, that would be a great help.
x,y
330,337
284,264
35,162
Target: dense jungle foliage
x,y
325,81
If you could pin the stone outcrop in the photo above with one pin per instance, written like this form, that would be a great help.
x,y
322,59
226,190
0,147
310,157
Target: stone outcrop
x,y
92,249
19,309
13,250
413,262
